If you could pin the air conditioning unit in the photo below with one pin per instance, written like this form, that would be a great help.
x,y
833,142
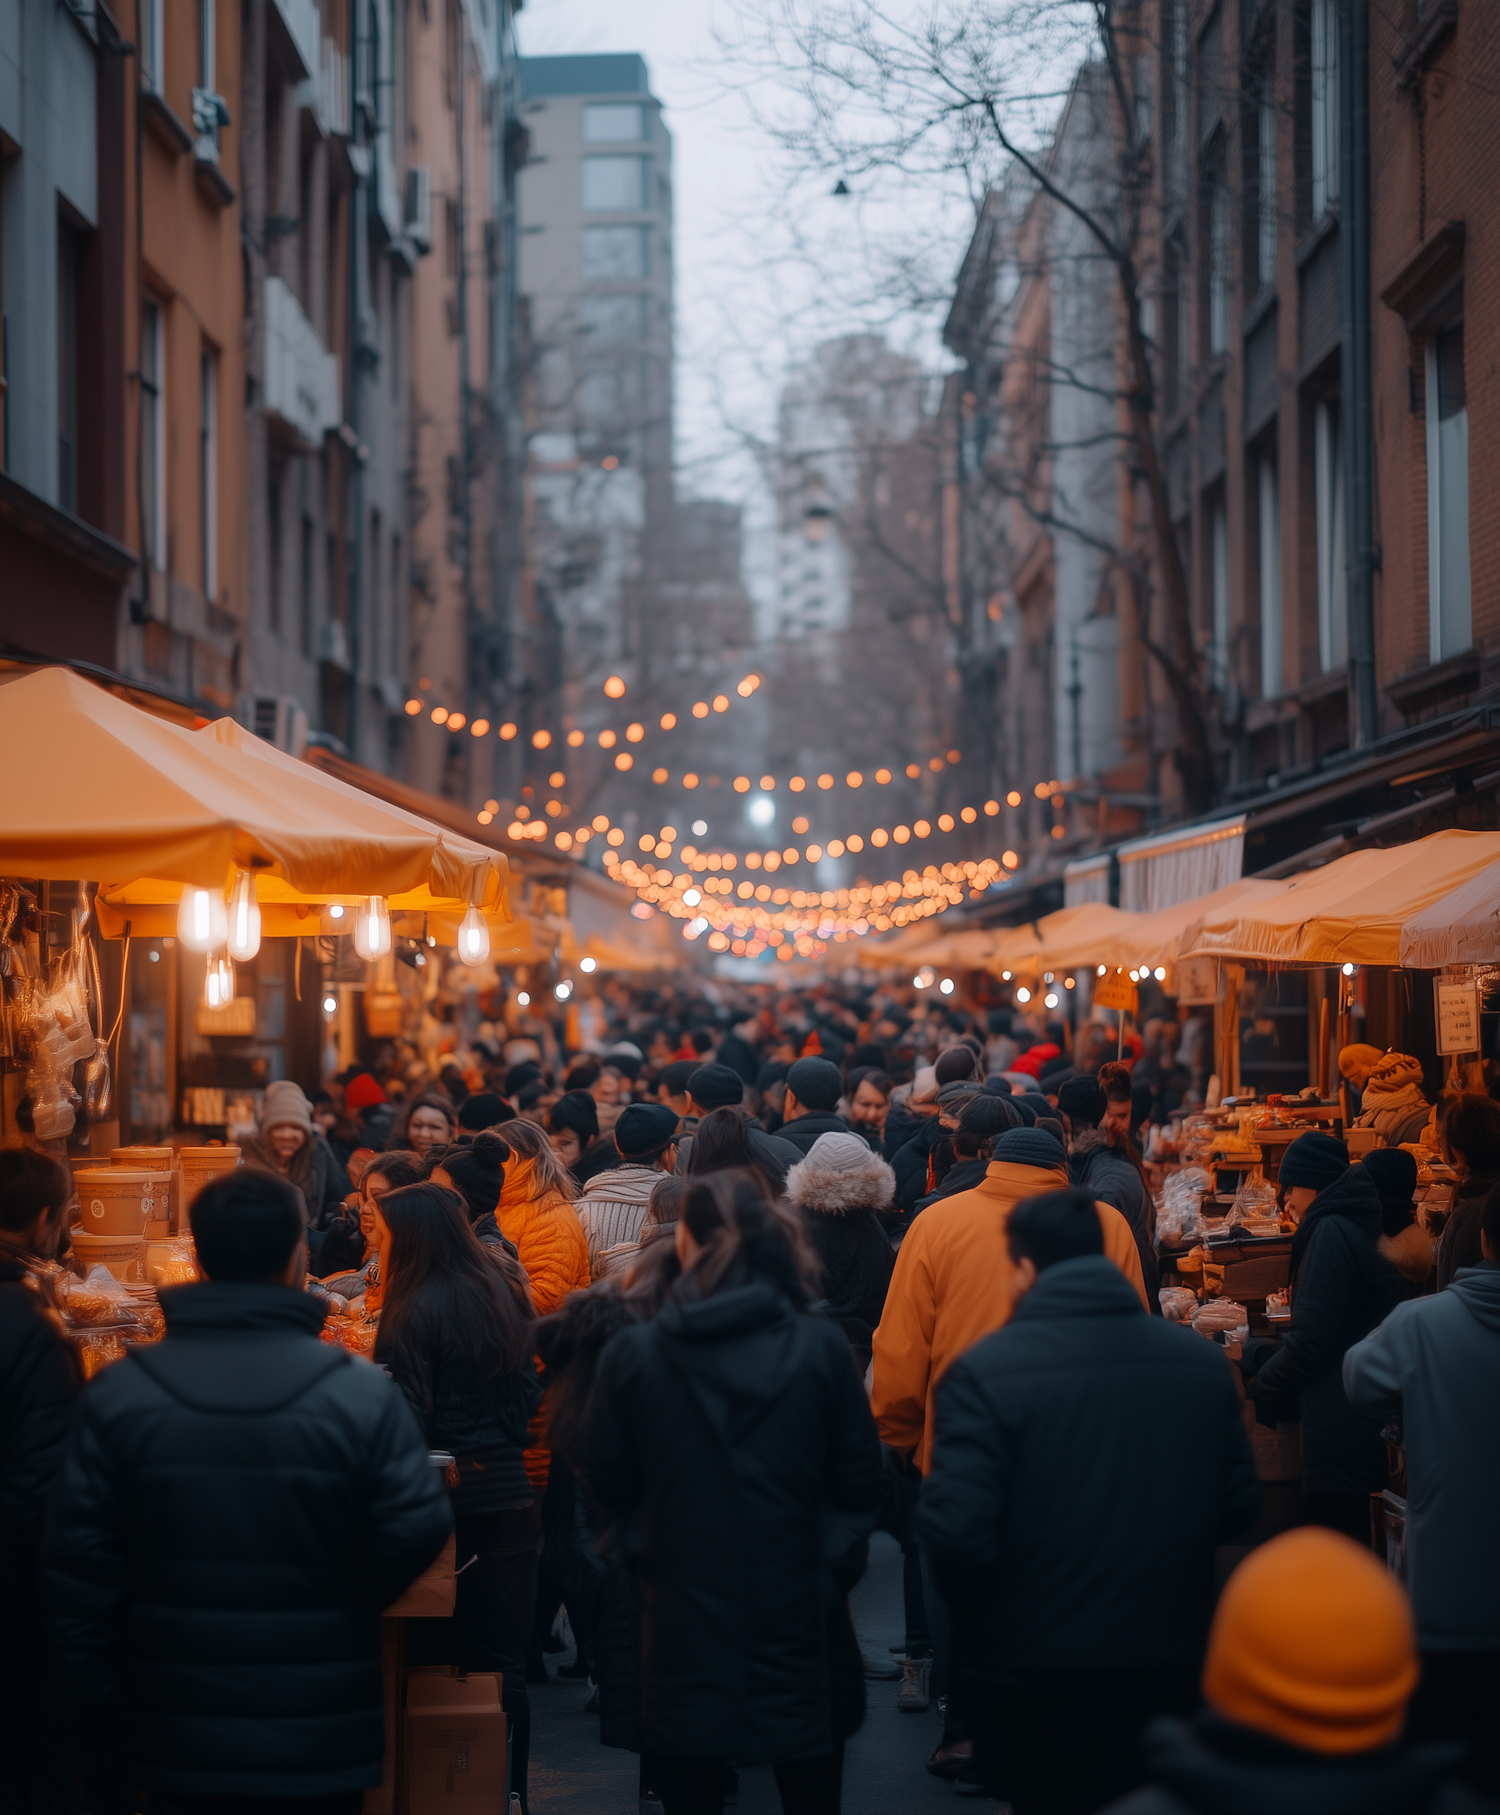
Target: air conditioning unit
x,y
419,207
278,718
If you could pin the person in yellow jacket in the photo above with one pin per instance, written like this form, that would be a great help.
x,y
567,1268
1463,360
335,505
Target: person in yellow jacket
x,y
955,1283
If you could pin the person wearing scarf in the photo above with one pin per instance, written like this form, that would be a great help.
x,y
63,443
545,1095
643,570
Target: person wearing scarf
x,y
1393,1103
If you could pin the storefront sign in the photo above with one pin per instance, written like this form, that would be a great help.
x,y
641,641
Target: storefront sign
x,y
1198,982
1457,1016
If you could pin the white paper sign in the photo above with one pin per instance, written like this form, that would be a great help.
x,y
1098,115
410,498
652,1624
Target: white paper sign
x,y
1457,1014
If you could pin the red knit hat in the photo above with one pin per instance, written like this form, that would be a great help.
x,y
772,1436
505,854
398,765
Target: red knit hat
x,y
362,1093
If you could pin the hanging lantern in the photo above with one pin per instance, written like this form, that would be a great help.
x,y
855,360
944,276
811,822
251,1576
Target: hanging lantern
x,y
218,981
202,923
244,919
473,938
372,928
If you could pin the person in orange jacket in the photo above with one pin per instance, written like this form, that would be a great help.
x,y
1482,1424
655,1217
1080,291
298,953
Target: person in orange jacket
x,y
955,1283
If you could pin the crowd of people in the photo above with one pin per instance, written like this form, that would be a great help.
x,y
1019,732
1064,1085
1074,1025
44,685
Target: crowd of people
x,y
665,1330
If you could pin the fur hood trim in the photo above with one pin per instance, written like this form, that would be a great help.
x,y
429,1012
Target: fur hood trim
x,y
1090,1140
822,1191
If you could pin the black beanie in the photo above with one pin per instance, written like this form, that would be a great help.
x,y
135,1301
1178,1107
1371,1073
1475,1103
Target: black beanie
x,y
716,1087
645,1130
1031,1147
483,1110
1314,1159
1394,1173
1082,1100
815,1083
477,1171
1026,1105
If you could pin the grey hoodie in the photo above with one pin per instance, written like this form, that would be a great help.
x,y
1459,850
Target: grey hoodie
x,y
1435,1364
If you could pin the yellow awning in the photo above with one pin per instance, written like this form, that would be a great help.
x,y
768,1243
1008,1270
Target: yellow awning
x,y
1349,912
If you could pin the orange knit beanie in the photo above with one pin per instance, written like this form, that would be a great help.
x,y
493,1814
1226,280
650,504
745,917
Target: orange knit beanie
x,y
1312,1643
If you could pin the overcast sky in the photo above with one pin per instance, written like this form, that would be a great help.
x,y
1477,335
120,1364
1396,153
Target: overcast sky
x,y
757,242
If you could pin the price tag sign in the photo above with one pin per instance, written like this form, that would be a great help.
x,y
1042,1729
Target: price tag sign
x,y
1116,991
1457,1014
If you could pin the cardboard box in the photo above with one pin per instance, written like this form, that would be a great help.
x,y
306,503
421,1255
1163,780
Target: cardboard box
x,y
432,1595
381,1800
455,1744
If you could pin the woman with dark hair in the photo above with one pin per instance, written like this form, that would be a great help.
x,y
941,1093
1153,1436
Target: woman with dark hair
x,y
731,1446
427,1121
458,1345
721,1143
40,1384
1471,1141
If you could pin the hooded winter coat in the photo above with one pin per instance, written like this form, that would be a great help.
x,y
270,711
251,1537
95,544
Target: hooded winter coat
x,y
841,1212
1208,1766
1341,1287
953,1283
1038,1426
1434,1364
239,1504
731,1446
1106,1174
611,1212
802,1132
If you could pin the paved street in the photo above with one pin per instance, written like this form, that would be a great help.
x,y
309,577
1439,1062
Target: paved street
x,y
572,1774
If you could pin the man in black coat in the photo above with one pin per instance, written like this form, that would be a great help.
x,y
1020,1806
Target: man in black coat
x,y
1342,1286
813,1089
717,1087
1098,1167
1085,1454
38,1386
239,1504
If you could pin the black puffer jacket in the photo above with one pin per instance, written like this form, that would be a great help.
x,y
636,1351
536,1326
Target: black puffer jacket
x,y
731,1445
1341,1287
841,1212
1208,1766
239,1504
1038,1426
910,1163
1108,1177
38,1384
806,1129
480,1420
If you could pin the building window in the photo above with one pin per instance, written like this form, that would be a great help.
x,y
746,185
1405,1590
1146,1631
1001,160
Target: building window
x,y
1449,612
152,46
1328,485
614,123
1218,264
1270,576
1265,193
67,368
620,317
208,472
1218,536
1325,107
153,478
613,183
614,252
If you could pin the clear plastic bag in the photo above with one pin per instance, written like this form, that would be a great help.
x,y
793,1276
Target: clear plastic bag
x,y
1178,1303
1254,1202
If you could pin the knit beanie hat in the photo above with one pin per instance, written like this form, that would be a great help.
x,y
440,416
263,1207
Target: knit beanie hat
x,y
1312,1643
284,1105
1394,1173
953,1096
361,1093
1314,1159
478,1170
716,1087
1035,1057
1027,1106
840,1153
815,1083
483,1110
645,1129
1082,1100
955,1063
1357,1057
772,1072
1394,1071
1031,1147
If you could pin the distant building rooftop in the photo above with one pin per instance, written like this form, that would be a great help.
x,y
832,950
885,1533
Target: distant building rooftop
x,y
623,74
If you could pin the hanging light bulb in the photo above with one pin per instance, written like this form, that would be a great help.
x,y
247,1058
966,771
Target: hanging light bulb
x,y
218,981
202,923
372,928
244,919
473,938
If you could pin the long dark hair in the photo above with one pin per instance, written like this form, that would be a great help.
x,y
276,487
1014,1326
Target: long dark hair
x,y
721,1143
744,1237
439,1263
